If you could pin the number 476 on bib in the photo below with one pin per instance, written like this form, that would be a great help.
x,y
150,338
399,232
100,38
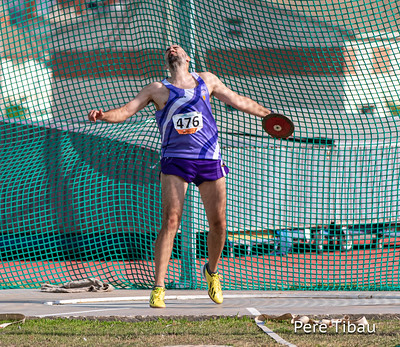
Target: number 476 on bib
x,y
188,123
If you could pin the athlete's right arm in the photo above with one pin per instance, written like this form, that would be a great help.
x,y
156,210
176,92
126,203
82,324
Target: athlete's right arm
x,y
118,115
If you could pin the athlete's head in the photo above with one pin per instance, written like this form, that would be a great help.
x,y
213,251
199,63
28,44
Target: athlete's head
x,y
176,56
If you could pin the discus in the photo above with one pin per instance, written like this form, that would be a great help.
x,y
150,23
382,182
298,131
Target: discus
x,y
278,126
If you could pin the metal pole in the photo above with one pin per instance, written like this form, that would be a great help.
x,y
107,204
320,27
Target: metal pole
x,y
188,277
188,30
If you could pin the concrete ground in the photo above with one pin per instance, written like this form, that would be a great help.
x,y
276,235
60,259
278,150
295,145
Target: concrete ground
x,y
134,303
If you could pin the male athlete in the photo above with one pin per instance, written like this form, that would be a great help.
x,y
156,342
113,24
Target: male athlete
x,y
190,153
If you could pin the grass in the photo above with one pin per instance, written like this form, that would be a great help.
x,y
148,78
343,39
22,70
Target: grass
x,y
227,331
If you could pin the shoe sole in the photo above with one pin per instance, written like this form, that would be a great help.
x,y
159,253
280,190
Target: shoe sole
x,y
157,306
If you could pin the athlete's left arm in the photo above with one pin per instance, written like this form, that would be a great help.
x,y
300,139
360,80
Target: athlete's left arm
x,y
218,89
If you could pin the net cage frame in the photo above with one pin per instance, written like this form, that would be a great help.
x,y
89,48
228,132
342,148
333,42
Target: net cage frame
x,y
317,211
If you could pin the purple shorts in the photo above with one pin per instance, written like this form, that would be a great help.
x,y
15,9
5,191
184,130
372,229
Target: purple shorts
x,y
194,170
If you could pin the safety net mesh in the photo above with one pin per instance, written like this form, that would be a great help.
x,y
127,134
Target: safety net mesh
x,y
316,211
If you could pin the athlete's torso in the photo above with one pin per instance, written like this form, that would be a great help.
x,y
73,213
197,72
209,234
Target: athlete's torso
x,y
186,123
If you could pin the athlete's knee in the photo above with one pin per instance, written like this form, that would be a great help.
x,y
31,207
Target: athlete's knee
x,y
218,226
171,222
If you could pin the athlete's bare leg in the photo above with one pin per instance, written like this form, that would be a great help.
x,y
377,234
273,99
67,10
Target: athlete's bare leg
x,y
213,195
173,190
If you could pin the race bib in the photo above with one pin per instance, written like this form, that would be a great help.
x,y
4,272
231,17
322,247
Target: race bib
x,y
188,123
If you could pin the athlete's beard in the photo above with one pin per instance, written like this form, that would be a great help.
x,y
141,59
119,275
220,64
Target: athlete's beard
x,y
174,61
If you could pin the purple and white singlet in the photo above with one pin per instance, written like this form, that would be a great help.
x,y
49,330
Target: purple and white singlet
x,y
187,125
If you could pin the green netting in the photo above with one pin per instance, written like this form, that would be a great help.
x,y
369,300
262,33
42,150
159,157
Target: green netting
x,y
317,211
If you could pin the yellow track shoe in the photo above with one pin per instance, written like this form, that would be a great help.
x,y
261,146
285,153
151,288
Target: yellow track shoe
x,y
157,297
214,285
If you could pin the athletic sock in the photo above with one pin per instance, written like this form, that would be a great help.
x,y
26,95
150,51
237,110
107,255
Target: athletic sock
x,y
208,270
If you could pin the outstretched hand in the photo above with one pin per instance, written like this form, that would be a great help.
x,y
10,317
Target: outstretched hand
x,y
95,115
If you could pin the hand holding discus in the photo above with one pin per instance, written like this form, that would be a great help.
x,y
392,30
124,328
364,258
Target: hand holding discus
x,y
278,125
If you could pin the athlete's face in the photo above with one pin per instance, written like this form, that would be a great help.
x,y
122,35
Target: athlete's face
x,y
175,56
